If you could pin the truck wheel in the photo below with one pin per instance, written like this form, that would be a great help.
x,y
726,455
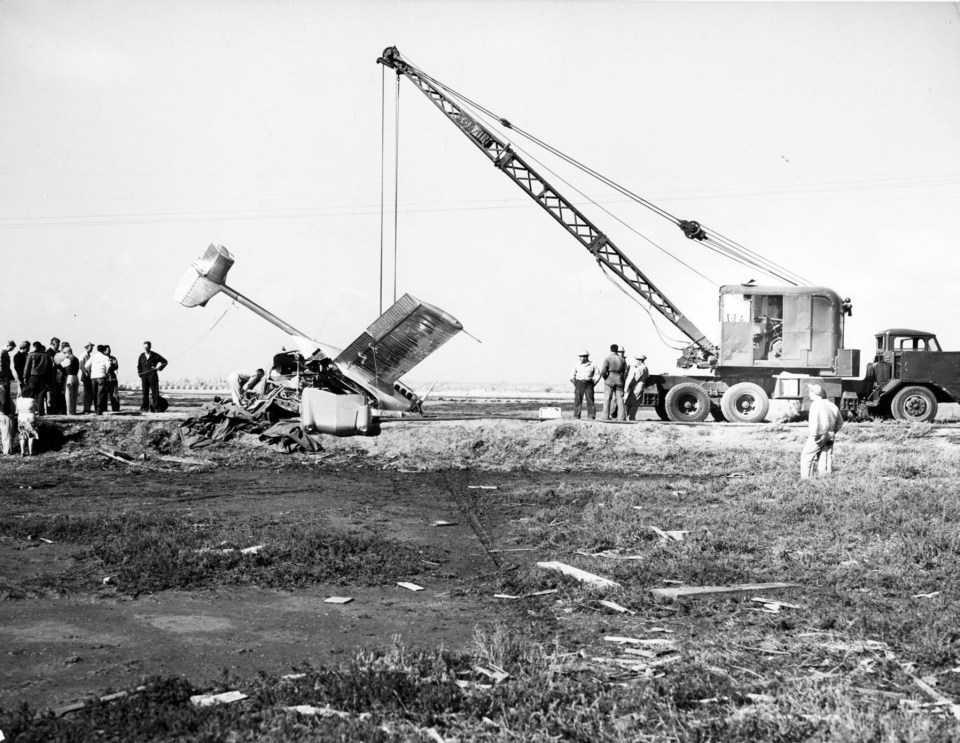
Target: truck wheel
x,y
687,402
914,404
745,402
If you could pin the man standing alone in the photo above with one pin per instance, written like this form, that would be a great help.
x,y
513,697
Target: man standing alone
x,y
148,365
584,377
613,371
825,421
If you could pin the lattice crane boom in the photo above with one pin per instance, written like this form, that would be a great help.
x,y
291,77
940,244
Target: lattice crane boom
x,y
569,216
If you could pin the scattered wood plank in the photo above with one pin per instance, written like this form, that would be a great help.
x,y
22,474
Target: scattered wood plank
x,y
185,460
207,700
409,586
658,642
669,536
616,607
581,575
917,595
440,522
694,592
935,695
338,600
434,735
252,550
526,595
515,549
293,676
119,456
326,711
481,487
494,673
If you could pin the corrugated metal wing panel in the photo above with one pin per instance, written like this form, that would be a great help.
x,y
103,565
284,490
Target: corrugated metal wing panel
x,y
399,339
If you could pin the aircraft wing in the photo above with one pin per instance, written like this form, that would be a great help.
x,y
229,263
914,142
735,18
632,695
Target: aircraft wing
x,y
398,340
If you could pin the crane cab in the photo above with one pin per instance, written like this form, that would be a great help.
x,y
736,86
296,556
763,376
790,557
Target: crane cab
x,y
787,328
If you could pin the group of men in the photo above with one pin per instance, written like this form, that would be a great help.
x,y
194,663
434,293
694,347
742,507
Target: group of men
x,y
49,381
623,384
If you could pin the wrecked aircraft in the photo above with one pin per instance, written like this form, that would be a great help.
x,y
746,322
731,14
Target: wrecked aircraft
x,y
342,392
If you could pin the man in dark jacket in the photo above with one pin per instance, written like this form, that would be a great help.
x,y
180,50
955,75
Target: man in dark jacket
x,y
148,364
38,373
613,372
19,361
6,377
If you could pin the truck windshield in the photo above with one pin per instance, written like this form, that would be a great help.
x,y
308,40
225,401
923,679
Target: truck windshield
x,y
913,343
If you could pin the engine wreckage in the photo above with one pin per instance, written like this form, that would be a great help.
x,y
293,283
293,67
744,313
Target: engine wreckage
x,y
336,391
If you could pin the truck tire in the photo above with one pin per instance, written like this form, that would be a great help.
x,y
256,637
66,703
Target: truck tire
x,y
914,405
687,402
745,402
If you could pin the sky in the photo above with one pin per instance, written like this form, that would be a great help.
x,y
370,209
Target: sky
x,y
824,136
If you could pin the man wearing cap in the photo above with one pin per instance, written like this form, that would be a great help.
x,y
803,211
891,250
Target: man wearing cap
x,y
613,371
825,421
584,377
85,377
633,387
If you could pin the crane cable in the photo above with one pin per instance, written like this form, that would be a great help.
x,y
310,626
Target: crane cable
x,y
717,243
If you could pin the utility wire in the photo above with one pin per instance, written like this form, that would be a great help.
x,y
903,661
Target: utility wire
x,y
724,246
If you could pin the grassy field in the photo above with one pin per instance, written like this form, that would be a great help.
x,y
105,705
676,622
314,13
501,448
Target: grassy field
x,y
865,648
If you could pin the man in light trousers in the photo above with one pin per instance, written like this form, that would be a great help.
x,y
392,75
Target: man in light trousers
x,y
816,458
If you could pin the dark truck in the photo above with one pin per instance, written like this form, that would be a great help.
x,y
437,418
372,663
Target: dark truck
x,y
909,376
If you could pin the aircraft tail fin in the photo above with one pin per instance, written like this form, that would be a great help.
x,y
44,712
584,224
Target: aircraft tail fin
x,y
206,277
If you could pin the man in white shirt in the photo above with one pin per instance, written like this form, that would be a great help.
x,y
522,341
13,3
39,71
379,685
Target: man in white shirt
x,y
243,380
825,421
584,377
98,366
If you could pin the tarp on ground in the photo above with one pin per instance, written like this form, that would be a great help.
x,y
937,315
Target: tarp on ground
x,y
220,422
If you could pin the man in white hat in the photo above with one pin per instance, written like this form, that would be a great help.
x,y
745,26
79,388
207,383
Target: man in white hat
x,y
633,387
825,421
584,377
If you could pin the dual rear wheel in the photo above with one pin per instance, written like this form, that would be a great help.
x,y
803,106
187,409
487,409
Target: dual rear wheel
x,y
688,402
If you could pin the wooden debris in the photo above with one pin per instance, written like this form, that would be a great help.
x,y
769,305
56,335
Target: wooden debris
x,y
227,697
252,550
515,549
481,487
616,607
338,600
526,595
581,575
927,595
409,586
657,642
495,673
185,460
77,706
440,522
434,735
611,554
694,592
325,711
118,456
784,604
935,695
674,535
293,676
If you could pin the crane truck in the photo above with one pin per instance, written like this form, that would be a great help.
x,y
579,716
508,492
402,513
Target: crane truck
x,y
774,340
